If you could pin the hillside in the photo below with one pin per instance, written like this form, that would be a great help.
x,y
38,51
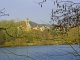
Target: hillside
x,y
24,38
36,24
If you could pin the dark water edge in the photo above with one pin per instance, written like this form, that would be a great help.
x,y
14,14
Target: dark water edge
x,y
1,46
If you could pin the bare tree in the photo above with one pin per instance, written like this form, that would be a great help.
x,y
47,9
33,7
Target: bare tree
x,y
66,14
2,12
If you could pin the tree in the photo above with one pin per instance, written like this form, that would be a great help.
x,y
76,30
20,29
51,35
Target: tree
x,y
2,12
66,14
2,37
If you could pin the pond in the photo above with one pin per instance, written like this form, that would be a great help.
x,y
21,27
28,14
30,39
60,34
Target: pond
x,y
53,52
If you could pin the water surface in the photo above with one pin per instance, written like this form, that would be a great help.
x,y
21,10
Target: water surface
x,y
60,52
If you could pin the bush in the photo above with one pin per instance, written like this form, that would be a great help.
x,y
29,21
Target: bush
x,y
2,37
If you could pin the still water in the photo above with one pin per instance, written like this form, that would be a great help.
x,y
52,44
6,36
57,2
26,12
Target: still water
x,y
60,52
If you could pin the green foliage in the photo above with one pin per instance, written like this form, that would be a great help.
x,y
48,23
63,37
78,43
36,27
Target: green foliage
x,y
4,24
2,37
15,37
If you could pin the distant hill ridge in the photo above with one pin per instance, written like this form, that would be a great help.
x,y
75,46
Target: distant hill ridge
x,y
36,24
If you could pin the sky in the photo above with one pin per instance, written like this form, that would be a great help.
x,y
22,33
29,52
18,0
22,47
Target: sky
x,y
22,9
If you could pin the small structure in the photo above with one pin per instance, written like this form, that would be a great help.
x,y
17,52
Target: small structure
x,y
39,28
24,25
42,28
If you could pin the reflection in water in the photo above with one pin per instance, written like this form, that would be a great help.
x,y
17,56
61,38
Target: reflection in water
x,y
61,52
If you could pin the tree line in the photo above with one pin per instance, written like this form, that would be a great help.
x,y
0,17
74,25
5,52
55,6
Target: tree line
x,y
9,35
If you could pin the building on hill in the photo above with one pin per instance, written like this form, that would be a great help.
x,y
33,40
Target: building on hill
x,y
28,26
24,25
42,28
35,28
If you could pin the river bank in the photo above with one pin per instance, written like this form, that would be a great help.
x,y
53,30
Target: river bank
x,y
35,43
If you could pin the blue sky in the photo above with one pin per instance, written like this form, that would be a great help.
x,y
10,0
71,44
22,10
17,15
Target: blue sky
x,y
22,9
